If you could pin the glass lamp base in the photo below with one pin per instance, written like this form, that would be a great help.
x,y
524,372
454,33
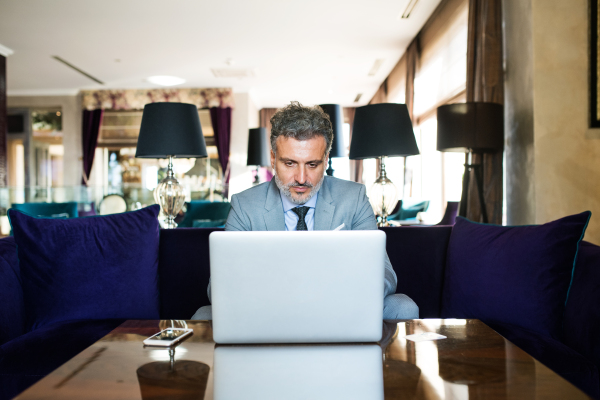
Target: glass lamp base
x,y
170,195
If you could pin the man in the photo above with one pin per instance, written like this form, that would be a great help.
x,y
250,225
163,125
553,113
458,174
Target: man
x,y
301,197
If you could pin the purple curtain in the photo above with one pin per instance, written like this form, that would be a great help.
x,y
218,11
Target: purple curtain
x,y
91,128
221,122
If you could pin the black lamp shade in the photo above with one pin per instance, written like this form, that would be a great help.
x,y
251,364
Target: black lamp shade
x,y
476,126
338,147
382,130
170,129
258,151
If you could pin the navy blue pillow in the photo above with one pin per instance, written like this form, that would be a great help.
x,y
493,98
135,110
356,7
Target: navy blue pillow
x,y
12,323
88,268
517,275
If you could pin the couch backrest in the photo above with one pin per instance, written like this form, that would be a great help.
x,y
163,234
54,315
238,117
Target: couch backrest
x,y
183,271
418,255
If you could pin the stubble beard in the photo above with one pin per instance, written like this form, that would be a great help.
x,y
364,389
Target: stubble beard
x,y
286,189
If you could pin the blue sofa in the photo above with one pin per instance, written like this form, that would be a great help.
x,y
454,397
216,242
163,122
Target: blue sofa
x,y
418,255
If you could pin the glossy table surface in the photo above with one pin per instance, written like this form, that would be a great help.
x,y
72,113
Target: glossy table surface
x,y
474,362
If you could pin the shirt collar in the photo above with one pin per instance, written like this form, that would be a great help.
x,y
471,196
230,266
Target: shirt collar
x,y
288,205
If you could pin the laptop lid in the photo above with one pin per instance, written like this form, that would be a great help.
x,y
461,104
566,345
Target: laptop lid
x,y
297,287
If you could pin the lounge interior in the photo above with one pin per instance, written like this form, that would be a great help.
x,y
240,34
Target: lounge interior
x,y
490,224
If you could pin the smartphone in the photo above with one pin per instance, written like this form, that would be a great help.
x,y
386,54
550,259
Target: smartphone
x,y
168,337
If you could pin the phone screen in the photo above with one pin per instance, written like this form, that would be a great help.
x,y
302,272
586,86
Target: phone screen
x,y
168,334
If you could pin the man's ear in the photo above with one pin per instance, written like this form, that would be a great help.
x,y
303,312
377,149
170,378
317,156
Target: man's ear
x,y
272,159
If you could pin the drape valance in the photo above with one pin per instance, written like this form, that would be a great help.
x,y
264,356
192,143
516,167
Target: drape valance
x,y
136,99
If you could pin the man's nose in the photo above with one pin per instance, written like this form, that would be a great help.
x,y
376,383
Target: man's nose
x,y
301,175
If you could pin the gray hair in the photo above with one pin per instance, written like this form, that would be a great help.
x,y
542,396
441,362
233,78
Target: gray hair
x,y
301,123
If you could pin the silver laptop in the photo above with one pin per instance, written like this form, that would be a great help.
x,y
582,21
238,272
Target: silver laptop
x,y
297,287
292,372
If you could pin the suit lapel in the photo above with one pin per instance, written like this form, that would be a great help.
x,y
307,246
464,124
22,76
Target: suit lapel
x,y
324,208
274,219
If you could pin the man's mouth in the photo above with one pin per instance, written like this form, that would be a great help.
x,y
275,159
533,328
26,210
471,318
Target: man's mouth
x,y
300,189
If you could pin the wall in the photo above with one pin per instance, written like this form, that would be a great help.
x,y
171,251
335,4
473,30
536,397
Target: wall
x,y
71,124
565,152
518,107
243,117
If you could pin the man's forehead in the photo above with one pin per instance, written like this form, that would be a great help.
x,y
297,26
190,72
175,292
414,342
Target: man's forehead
x,y
290,139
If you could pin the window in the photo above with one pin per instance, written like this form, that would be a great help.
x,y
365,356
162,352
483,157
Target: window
x,y
116,170
440,79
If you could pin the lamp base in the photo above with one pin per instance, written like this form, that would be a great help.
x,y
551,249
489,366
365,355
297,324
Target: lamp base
x,y
330,169
383,196
170,195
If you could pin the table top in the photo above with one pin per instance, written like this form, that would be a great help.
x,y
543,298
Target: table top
x,y
474,362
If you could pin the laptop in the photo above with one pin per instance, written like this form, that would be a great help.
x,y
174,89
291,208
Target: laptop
x,y
297,287
330,371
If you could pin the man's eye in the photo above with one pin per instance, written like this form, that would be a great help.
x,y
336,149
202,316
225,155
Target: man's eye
x,y
289,164
312,165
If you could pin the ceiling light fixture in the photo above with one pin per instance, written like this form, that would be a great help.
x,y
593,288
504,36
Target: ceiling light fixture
x,y
376,66
68,64
409,9
165,80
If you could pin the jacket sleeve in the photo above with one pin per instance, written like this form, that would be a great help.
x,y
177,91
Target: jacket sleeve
x,y
364,219
237,220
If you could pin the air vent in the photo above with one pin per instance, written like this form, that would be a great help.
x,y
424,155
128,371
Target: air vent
x,y
232,73
375,66
409,9
358,96
68,64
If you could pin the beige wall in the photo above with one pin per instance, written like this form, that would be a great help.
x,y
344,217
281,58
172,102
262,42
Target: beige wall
x,y
567,152
552,156
71,125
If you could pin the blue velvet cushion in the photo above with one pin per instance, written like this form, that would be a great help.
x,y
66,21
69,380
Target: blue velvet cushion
x,y
209,223
582,313
50,210
12,322
204,209
88,268
517,275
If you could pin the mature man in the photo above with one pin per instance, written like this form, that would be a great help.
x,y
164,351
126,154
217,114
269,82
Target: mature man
x,y
301,197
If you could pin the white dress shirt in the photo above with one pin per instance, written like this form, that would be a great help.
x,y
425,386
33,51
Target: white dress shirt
x,y
291,218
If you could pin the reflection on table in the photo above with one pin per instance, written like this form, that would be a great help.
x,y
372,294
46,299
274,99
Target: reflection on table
x,y
298,372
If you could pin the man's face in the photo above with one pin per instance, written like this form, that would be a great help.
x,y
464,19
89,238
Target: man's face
x,y
299,167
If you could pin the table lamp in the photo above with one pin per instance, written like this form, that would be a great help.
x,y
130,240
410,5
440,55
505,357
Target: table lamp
x,y
380,131
258,150
170,130
338,147
475,127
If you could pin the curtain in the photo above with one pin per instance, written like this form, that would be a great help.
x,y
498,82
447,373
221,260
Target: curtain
x,y
413,53
356,166
264,116
485,82
221,122
90,130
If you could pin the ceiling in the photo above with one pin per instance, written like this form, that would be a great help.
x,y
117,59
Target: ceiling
x,y
313,51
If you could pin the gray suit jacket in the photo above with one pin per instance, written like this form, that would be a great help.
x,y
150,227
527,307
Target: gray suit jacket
x,y
340,201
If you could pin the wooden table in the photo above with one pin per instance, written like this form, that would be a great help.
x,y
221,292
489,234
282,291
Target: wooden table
x,y
474,362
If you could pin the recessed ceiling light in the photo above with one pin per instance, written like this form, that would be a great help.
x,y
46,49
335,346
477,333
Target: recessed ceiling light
x,y
409,9
165,80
